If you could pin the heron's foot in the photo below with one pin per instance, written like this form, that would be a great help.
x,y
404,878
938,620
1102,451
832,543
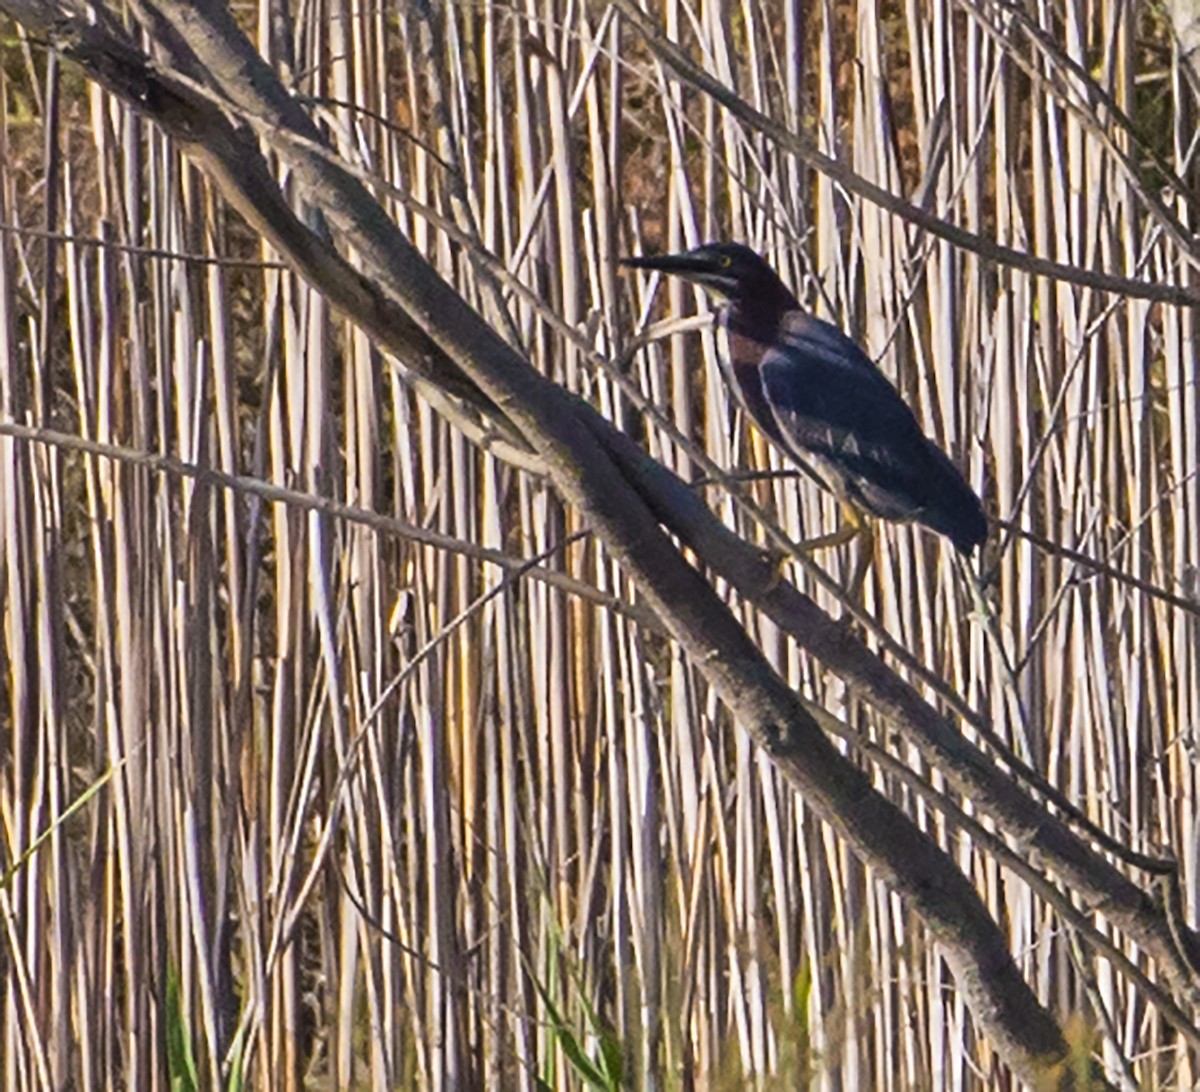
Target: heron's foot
x,y
849,626
778,561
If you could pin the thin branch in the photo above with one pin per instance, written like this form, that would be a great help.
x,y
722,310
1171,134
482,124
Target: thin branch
x,y
686,71
311,502
1103,568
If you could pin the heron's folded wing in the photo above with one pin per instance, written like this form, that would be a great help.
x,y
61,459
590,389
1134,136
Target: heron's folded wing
x,y
831,403
828,398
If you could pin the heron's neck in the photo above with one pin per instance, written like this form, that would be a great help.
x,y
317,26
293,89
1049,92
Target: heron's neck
x,y
758,317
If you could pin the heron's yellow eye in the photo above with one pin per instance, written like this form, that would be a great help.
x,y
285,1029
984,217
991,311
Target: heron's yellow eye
x,y
726,261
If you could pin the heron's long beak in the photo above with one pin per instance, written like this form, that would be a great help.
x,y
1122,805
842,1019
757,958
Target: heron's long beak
x,y
681,265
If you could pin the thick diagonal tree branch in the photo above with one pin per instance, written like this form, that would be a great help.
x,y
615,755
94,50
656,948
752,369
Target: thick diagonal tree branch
x,y
590,480
231,155
411,311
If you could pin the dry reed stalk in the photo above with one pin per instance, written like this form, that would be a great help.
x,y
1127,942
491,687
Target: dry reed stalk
x,y
550,834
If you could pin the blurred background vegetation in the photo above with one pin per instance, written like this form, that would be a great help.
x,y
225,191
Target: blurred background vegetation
x,y
374,813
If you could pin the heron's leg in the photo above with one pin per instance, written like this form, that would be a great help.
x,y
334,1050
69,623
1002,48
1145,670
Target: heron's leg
x,y
853,523
865,557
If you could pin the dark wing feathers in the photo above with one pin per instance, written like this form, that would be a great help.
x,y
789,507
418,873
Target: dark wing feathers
x,y
834,406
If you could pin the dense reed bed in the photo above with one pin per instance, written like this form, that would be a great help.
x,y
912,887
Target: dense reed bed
x,y
369,802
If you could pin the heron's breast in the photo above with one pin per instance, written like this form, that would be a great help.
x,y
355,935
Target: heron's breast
x,y
739,357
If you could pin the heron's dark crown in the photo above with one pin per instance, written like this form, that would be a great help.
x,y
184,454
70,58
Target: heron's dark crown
x,y
729,270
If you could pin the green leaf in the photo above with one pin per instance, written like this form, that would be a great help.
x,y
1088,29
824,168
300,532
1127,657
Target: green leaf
x,y
570,1045
181,1066
612,1058
237,1061
6,877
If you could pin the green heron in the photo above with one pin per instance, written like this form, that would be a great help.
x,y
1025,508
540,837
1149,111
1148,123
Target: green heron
x,y
818,396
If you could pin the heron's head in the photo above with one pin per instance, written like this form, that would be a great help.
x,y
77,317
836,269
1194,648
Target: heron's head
x,y
730,271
